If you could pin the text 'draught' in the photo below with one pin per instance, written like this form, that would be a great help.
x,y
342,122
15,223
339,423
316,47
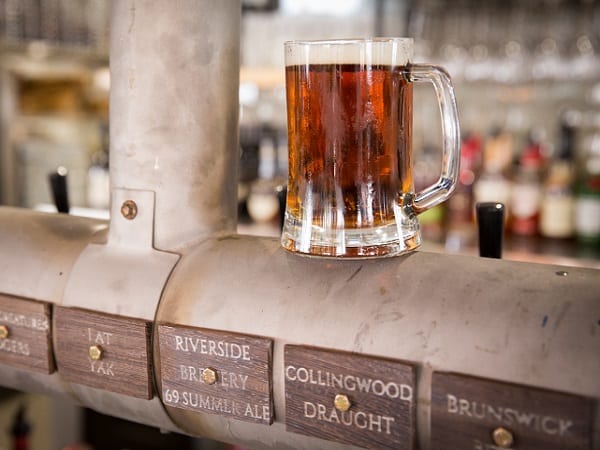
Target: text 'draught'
x,y
353,399
216,372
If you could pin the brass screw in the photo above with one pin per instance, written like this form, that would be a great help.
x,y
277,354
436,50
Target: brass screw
x,y
209,376
129,209
3,332
95,352
342,402
503,438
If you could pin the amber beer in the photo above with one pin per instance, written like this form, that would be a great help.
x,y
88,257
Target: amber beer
x,y
349,111
350,147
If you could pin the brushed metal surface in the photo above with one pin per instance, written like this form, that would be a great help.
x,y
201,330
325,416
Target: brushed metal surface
x,y
174,112
507,321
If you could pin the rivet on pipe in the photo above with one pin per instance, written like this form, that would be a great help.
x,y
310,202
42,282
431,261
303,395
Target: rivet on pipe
x,y
129,209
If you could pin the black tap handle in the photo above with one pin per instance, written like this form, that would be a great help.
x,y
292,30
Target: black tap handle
x,y
281,198
58,185
490,222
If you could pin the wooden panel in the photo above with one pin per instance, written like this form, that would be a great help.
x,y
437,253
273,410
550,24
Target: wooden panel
x,y
124,366
465,411
26,340
381,395
240,366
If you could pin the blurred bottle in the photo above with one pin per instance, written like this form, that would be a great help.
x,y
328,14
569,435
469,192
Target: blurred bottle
x,y
460,227
587,210
557,209
263,198
526,193
98,182
587,202
493,185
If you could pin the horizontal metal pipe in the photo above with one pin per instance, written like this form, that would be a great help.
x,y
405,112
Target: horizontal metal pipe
x,y
522,323
530,324
37,254
39,250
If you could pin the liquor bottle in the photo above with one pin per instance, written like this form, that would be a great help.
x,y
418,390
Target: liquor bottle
x,y
526,190
460,227
493,185
98,183
587,210
587,202
556,214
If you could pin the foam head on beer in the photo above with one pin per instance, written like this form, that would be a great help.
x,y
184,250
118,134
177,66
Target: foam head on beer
x,y
381,51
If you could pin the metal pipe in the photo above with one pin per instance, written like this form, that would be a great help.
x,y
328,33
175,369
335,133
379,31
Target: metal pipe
x,y
38,254
173,156
174,112
173,117
474,316
512,322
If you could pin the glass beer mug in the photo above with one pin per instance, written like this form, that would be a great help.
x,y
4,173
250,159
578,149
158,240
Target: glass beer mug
x,y
349,110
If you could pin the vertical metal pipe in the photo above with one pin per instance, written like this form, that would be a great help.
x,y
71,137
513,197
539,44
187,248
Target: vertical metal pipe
x,y
174,112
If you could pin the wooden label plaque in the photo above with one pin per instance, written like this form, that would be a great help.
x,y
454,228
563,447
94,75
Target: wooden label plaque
x,y
25,336
104,351
217,372
353,399
479,414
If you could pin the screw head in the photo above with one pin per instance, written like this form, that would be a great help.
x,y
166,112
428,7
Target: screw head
x,y
95,352
342,402
209,376
129,209
503,438
3,332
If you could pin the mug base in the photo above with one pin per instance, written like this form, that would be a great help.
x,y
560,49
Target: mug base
x,y
375,242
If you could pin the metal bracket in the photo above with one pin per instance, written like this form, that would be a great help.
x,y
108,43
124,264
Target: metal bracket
x,y
125,276
131,219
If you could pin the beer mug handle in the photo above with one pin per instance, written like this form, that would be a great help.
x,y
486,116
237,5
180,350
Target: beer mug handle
x,y
437,193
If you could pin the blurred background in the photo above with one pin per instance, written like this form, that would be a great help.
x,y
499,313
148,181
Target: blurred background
x,y
527,79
